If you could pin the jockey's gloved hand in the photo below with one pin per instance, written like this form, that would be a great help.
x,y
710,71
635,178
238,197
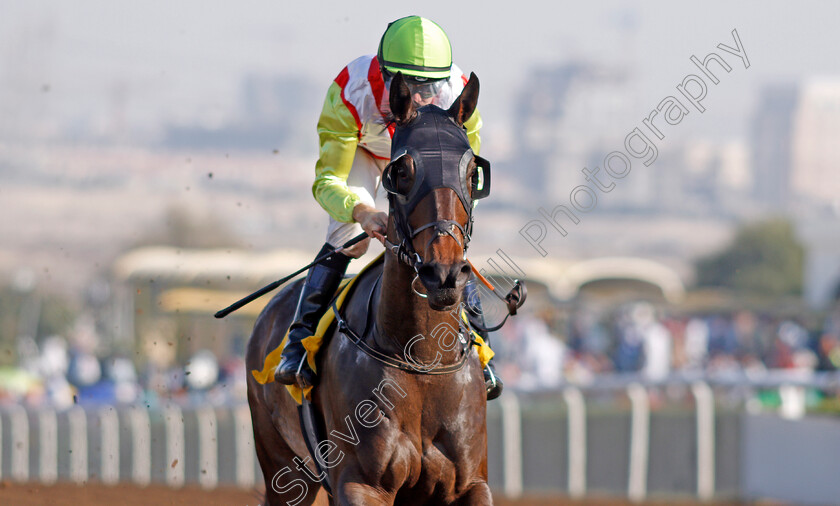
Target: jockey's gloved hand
x,y
373,221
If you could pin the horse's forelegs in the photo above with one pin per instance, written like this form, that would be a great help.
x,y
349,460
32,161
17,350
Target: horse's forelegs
x,y
358,494
478,495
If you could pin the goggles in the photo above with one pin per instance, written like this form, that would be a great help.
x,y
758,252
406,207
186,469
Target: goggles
x,y
426,88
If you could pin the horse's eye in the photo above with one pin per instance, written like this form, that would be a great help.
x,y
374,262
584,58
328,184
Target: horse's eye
x,y
473,179
404,178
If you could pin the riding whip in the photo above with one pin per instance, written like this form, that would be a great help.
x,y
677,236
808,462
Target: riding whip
x,y
264,290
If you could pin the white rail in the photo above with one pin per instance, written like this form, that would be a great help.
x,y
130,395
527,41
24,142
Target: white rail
x,y
175,452
20,443
577,441
77,421
245,450
141,446
48,446
109,460
512,444
208,454
639,442
705,402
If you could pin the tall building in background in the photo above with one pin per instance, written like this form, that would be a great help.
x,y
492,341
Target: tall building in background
x,y
274,112
815,179
568,117
772,133
708,179
815,183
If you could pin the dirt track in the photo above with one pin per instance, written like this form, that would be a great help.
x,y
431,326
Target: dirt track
x,y
129,495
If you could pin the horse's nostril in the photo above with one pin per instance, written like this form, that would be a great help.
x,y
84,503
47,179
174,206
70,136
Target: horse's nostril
x,y
461,273
456,275
427,273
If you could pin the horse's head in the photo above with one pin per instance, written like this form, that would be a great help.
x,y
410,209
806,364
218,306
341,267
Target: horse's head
x,y
432,181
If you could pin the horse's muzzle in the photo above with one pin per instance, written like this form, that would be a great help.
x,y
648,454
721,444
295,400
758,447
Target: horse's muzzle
x,y
444,282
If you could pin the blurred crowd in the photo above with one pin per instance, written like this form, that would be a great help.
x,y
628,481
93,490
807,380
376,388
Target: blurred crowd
x,y
549,348
60,372
541,350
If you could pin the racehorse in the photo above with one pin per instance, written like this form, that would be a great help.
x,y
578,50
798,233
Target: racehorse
x,y
404,410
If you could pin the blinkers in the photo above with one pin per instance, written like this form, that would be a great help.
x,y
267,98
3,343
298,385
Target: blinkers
x,y
435,143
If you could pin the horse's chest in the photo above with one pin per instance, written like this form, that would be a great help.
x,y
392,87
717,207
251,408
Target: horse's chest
x,y
423,436
435,458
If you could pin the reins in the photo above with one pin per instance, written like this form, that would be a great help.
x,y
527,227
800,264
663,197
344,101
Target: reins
x,y
513,300
344,328
405,253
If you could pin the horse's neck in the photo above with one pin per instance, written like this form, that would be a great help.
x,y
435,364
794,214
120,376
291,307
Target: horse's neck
x,y
402,315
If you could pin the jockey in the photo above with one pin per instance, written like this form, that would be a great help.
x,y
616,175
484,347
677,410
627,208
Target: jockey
x,y
355,138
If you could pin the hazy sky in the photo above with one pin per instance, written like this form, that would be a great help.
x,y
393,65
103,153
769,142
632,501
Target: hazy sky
x,y
96,65
181,61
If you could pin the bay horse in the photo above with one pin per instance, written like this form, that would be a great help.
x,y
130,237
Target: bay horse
x,y
396,434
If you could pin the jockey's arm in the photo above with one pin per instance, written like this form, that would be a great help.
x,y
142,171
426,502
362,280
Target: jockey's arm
x,y
473,126
338,134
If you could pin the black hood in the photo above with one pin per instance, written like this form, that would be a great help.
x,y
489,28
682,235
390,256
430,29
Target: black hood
x,y
437,145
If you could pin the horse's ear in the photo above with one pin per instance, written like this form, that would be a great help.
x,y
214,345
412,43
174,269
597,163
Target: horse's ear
x,y
400,99
464,105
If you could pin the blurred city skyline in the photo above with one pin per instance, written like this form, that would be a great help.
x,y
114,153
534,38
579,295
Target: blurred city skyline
x,y
123,72
115,115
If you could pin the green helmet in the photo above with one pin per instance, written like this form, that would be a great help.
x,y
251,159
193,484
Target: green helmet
x,y
417,47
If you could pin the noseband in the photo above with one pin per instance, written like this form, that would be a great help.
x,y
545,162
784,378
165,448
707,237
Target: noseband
x,y
404,247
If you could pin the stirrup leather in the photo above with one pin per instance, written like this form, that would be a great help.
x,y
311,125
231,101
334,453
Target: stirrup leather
x,y
492,378
300,366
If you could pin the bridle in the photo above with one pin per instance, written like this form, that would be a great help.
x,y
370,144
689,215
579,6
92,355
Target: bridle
x,y
436,144
404,249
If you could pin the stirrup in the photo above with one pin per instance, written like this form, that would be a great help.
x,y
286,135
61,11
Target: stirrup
x,y
303,375
492,383
303,371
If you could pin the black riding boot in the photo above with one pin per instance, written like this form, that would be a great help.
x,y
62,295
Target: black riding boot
x,y
318,290
492,382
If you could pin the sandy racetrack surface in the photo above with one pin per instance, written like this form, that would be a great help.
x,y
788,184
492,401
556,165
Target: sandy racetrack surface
x,y
130,495
122,495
